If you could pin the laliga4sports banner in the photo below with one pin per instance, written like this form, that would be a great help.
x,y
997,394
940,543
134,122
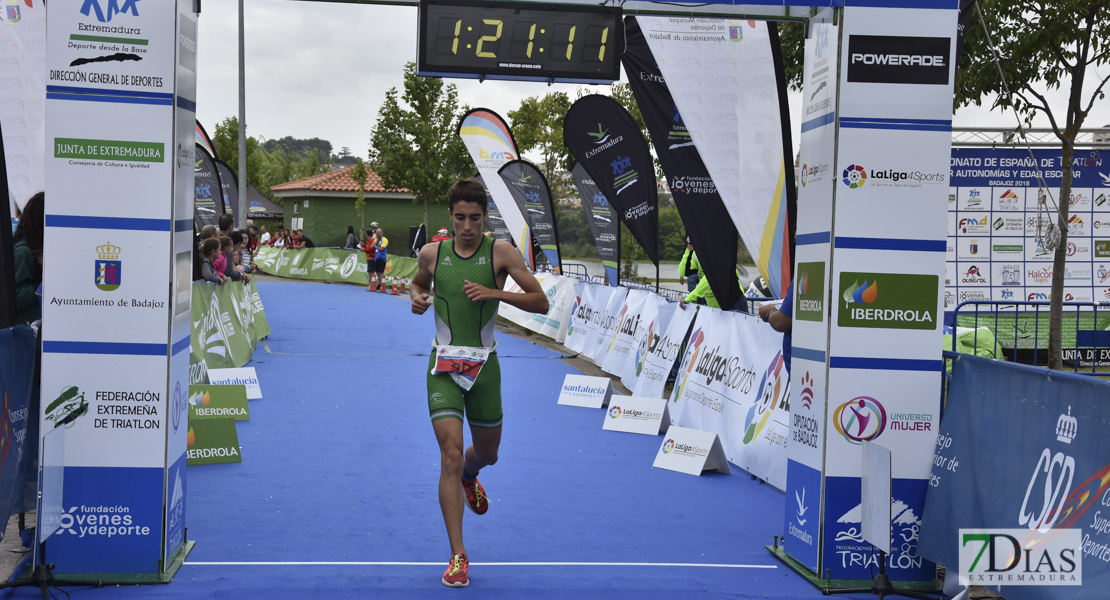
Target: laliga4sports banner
x,y
530,190
703,213
727,83
589,302
659,349
733,382
560,294
639,309
209,205
604,223
608,144
606,324
491,145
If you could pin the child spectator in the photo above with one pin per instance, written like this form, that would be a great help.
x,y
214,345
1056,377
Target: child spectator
x,y
210,249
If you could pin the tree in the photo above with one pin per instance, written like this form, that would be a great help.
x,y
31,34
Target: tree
x,y
360,176
226,141
1042,45
538,124
414,143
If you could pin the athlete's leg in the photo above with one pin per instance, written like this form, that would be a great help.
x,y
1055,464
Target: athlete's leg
x,y
483,452
449,434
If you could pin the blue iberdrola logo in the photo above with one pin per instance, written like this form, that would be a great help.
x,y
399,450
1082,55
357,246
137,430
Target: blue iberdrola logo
x,y
108,267
854,176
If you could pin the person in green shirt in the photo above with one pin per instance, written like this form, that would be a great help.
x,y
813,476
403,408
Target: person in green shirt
x,y
27,257
689,269
703,294
463,280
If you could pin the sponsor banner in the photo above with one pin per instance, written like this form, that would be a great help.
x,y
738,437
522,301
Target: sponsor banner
x,y
589,301
585,391
213,441
22,97
491,145
721,74
635,414
561,298
803,525
818,178
998,557
114,411
1029,330
208,203
658,351
1050,479
105,282
175,504
691,451
227,322
529,189
733,381
18,423
328,264
604,223
897,66
695,193
229,187
888,300
111,520
608,144
103,45
218,401
807,417
606,325
495,222
244,376
810,292
640,309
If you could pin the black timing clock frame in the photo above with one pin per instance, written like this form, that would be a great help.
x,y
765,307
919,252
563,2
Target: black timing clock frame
x,y
529,41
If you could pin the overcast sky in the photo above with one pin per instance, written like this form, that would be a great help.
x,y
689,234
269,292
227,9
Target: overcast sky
x,y
321,69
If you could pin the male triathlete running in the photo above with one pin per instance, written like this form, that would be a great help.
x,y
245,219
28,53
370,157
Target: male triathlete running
x,y
464,377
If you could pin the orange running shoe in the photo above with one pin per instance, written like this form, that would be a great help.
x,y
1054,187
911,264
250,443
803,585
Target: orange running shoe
x,y
476,496
456,574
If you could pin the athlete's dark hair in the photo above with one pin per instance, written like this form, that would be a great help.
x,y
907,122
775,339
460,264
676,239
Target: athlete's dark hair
x,y
468,190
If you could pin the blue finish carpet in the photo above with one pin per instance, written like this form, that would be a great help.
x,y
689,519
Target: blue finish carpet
x,y
336,494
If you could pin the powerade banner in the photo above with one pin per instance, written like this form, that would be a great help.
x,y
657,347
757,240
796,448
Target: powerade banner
x,y
704,214
530,190
727,83
604,223
328,264
495,221
228,320
1041,465
491,145
560,295
660,348
209,204
229,186
733,381
608,144
993,250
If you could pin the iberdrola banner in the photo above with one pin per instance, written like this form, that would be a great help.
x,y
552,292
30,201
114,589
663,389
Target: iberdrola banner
x,y
727,83
733,382
695,195
495,222
208,205
530,190
608,144
604,223
659,349
491,145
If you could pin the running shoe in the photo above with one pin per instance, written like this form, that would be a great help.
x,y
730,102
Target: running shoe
x,y
457,569
476,496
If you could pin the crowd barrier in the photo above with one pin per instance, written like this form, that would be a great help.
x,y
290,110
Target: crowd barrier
x,y
228,321
328,264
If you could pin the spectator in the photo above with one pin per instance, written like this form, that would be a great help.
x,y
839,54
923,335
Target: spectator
x,y
278,240
352,239
252,240
441,235
295,243
226,223
228,248
703,294
303,241
206,232
689,269
209,250
370,251
782,319
27,258
265,239
380,257
241,254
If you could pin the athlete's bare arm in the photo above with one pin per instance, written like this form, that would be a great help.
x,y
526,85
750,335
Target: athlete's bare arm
x,y
420,288
507,261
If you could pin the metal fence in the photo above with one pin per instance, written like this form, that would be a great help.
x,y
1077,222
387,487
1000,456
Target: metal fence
x,y
1021,330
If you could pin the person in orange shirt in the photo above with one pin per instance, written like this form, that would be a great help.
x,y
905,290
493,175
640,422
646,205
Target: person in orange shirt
x,y
441,235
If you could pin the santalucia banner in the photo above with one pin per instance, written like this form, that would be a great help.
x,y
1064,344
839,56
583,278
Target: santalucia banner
x,y
228,320
328,264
